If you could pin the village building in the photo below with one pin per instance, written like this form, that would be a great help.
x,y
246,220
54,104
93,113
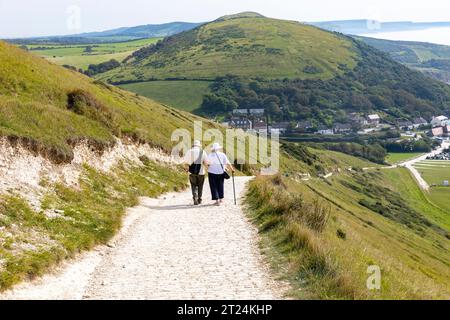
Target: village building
x,y
419,122
325,130
280,127
340,128
240,112
248,112
304,126
439,121
405,125
243,124
357,119
260,127
373,120
257,112
437,132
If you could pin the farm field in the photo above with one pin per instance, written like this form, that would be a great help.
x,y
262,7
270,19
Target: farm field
x,y
393,158
183,95
435,173
76,55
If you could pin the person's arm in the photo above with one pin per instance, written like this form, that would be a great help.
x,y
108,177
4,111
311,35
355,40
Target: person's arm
x,y
187,161
229,165
205,160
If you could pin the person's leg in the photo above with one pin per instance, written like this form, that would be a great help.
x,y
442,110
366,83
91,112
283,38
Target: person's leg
x,y
194,185
201,183
221,187
213,186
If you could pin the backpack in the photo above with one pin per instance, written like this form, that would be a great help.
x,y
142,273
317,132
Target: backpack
x,y
197,165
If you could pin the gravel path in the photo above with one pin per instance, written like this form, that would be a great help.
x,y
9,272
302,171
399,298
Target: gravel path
x,y
168,249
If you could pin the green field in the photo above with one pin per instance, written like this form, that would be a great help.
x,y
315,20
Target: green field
x,y
394,158
435,173
75,55
184,95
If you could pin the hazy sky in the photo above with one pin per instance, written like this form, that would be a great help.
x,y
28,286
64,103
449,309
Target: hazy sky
x,y
20,18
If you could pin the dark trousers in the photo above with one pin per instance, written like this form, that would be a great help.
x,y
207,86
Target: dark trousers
x,y
197,182
216,183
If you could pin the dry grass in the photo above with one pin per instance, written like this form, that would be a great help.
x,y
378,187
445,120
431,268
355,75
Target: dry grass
x,y
323,241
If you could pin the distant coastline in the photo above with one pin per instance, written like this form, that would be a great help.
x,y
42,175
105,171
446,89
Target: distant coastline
x,y
432,35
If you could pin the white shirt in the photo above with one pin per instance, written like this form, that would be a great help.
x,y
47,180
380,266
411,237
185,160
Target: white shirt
x,y
214,164
193,155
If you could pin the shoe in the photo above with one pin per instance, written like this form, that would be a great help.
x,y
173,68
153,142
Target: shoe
x,y
195,202
200,201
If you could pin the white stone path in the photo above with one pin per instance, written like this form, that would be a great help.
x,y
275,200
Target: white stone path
x,y
168,249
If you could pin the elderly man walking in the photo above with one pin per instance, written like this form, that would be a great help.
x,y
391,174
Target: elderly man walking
x,y
196,159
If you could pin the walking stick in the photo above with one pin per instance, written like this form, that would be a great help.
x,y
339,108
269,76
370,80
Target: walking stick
x,y
234,188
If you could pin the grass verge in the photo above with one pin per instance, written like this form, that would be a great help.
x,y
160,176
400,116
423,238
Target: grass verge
x,y
372,219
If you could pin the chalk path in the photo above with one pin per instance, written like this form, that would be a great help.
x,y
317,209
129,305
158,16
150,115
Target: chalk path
x,y
168,249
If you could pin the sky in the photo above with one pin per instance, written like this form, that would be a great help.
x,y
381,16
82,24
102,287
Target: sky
x,y
25,18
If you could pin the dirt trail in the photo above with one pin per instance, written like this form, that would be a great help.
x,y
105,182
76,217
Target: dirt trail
x,y
168,249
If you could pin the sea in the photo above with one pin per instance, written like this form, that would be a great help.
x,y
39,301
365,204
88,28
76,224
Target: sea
x,y
432,35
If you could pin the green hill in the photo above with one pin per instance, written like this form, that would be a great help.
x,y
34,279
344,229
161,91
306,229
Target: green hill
x,y
247,45
431,59
295,71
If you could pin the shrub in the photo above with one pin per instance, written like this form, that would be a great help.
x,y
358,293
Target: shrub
x,y
85,104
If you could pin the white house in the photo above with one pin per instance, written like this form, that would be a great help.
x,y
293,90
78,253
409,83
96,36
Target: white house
x,y
439,121
257,112
243,124
241,112
373,119
325,130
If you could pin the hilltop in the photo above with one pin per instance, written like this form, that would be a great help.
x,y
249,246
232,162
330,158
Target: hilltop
x,y
245,44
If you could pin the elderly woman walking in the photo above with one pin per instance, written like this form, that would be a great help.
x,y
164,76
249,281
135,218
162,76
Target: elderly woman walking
x,y
218,164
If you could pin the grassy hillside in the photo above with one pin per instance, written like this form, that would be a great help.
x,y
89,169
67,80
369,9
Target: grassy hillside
x,y
75,55
49,107
242,45
183,95
431,59
322,235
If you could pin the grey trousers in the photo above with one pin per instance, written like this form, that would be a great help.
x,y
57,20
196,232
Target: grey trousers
x,y
197,182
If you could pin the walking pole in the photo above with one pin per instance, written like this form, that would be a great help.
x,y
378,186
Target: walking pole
x,y
234,188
